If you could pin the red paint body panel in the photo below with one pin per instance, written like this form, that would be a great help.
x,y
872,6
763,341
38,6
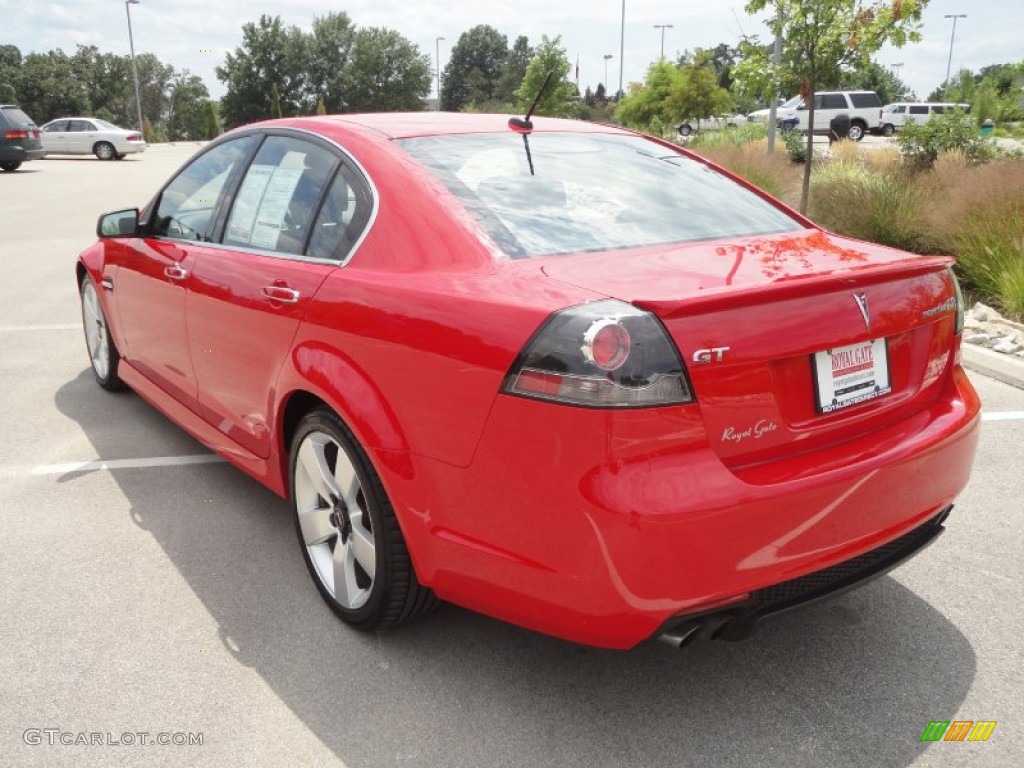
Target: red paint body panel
x,y
591,524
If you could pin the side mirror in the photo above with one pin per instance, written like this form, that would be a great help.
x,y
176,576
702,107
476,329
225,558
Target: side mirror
x,y
118,224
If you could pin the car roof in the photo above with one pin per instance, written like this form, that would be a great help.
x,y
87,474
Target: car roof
x,y
404,125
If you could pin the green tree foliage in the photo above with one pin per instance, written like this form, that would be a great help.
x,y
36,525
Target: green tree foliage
x,y
187,115
212,128
996,92
695,94
645,105
328,52
270,54
386,73
874,77
822,39
512,73
671,93
474,68
561,98
922,143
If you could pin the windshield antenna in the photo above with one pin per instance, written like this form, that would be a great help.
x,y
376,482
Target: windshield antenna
x,y
524,124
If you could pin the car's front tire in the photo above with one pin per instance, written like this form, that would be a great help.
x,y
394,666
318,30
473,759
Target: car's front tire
x,y
104,150
684,130
857,131
13,165
348,533
103,355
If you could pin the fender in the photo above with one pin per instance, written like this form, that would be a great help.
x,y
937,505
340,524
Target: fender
x,y
92,261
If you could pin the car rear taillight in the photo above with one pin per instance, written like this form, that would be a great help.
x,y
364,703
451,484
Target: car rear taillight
x,y
608,354
19,134
134,137
959,301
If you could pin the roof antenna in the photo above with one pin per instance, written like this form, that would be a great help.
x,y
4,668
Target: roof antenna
x,y
524,124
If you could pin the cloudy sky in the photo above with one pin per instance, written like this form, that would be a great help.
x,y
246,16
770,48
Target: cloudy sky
x,y
195,34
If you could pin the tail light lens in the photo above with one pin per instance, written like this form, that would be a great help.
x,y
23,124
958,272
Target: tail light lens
x,y
134,137
16,135
959,301
608,354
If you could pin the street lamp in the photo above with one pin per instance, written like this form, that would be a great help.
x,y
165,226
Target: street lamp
x,y
622,48
606,57
954,17
437,58
135,69
663,27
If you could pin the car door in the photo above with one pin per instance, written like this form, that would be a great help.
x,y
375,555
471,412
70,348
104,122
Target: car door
x,y
247,297
55,137
827,106
81,135
149,275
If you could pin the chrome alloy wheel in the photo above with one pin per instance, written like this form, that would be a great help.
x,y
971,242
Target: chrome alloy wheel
x,y
334,520
96,336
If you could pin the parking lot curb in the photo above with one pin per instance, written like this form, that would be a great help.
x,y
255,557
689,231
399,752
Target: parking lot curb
x,y
996,365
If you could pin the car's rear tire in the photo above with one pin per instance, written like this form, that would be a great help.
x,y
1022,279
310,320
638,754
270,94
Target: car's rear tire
x,y
13,165
684,130
857,130
888,129
348,533
103,355
104,150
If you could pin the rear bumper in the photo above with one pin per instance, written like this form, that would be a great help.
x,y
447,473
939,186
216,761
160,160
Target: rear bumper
x,y
17,154
606,528
738,620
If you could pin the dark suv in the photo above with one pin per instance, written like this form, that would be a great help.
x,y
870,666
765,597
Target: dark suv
x,y
20,138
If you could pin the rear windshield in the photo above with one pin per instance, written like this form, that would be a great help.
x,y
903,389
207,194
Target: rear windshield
x,y
16,117
555,193
105,124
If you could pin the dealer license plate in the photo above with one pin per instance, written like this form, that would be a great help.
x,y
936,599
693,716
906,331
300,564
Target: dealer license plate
x,y
849,375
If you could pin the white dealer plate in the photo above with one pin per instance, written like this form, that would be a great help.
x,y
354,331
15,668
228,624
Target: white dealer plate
x,y
849,375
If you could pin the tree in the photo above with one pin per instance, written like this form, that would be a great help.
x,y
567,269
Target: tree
x,y
513,71
212,122
10,65
874,77
694,94
482,49
328,51
187,111
821,40
561,97
270,54
386,73
645,106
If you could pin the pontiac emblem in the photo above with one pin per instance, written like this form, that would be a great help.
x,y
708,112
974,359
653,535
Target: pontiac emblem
x,y
862,305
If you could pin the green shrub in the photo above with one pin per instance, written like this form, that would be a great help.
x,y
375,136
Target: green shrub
x,y
751,161
796,145
922,143
734,137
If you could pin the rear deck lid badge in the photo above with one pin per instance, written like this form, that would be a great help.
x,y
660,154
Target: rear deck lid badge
x,y
862,305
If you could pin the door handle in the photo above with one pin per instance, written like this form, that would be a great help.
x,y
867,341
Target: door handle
x,y
281,294
175,272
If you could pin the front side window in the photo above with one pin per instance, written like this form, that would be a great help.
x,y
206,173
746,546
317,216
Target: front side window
x,y
833,101
58,127
278,198
550,193
187,205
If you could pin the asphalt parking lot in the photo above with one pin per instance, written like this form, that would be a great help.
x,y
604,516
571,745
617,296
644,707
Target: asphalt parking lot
x,y
164,594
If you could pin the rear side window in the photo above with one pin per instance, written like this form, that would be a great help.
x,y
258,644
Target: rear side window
x,y
919,109
15,118
862,100
342,218
279,196
551,193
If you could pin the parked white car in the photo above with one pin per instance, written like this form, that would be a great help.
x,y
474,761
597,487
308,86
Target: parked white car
x,y
90,136
895,116
862,106
715,123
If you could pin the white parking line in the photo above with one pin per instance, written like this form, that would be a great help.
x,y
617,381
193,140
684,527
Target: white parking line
x,y
56,327
1003,416
155,461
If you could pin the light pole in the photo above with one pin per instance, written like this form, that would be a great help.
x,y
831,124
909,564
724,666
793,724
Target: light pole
x,y
663,27
437,58
954,17
606,57
622,48
135,69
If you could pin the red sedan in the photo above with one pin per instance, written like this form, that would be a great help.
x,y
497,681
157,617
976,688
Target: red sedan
x,y
561,374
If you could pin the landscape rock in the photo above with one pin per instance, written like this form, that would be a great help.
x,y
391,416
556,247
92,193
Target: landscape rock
x,y
1007,347
985,314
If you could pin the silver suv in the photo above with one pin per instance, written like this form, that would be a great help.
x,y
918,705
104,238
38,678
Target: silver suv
x,y
862,107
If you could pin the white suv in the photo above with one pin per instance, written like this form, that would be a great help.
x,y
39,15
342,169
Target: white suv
x,y
862,106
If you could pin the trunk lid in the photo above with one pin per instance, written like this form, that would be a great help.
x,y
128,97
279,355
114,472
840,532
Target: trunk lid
x,y
792,342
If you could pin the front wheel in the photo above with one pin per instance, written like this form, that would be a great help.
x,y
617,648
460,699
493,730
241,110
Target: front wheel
x,y
347,529
103,354
11,166
104,150
856,131
684,130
